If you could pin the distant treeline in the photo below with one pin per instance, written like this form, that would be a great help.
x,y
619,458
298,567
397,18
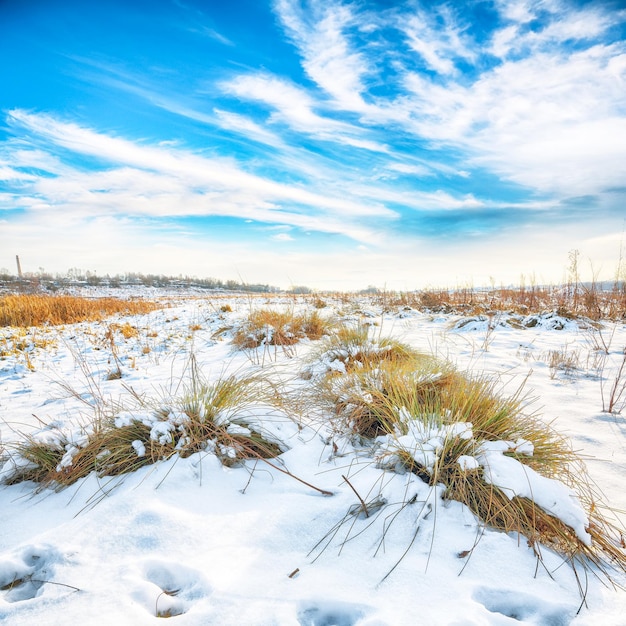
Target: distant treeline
x,y
80,278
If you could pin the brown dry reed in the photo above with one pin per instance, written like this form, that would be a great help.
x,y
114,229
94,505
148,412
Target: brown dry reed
x,y
570,300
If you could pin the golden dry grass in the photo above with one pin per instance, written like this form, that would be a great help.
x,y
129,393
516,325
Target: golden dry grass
x,y
353,347
271,327
26,310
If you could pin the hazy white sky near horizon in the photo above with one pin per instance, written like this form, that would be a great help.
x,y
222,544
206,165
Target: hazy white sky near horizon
x,y
322,143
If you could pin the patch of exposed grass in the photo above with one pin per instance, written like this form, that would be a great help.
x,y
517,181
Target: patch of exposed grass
x,y
352,348
126,329
219,413
36,461
36,310
270,327
23,343
564,361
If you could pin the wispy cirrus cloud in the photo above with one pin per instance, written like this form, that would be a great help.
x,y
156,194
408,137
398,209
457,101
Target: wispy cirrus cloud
x,y
212,34
438,44
319,32
293,104
547,115
295,107
530,121
144,179
562,22
282,237
243,125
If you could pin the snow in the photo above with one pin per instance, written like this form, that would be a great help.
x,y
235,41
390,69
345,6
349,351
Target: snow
x,y
517,479
204,543
422,442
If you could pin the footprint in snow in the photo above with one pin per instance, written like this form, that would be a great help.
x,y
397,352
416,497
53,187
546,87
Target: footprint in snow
x,y
22,577
523,607
326,613
170,589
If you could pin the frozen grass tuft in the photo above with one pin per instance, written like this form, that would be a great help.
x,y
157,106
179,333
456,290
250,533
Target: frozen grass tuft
x,y
352,348
420,415
211,417
279,329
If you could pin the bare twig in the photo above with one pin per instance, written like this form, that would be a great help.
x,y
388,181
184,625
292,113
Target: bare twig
x,y
304,482
356,493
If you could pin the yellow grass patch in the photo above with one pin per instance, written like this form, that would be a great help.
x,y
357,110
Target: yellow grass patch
x,y
36,310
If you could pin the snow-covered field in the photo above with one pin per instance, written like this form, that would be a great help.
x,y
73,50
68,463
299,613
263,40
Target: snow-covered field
x,y
209,544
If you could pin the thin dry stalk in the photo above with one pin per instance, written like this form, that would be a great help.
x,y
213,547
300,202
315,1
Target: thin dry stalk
x,y
617,392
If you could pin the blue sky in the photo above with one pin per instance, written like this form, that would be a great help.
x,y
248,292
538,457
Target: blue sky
x,y
314,142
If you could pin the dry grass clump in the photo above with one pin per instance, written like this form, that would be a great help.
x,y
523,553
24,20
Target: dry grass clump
x,y
269,327
219,413
376,401
36,310
209,417
109,451
564,361
363,400
38,460
127,330
423,416
351,348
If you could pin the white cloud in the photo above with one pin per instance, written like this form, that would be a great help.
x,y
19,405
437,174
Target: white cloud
x,y
294,104
504,40
155,181
565,22
115,244
547,117
328,59
522,11
428,51
438,200
10,174
551,121
247,127
213,34
295,107
436,45
578,25
406,168
282,237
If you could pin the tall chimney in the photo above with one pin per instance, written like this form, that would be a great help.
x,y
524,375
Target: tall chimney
x,y
19,267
